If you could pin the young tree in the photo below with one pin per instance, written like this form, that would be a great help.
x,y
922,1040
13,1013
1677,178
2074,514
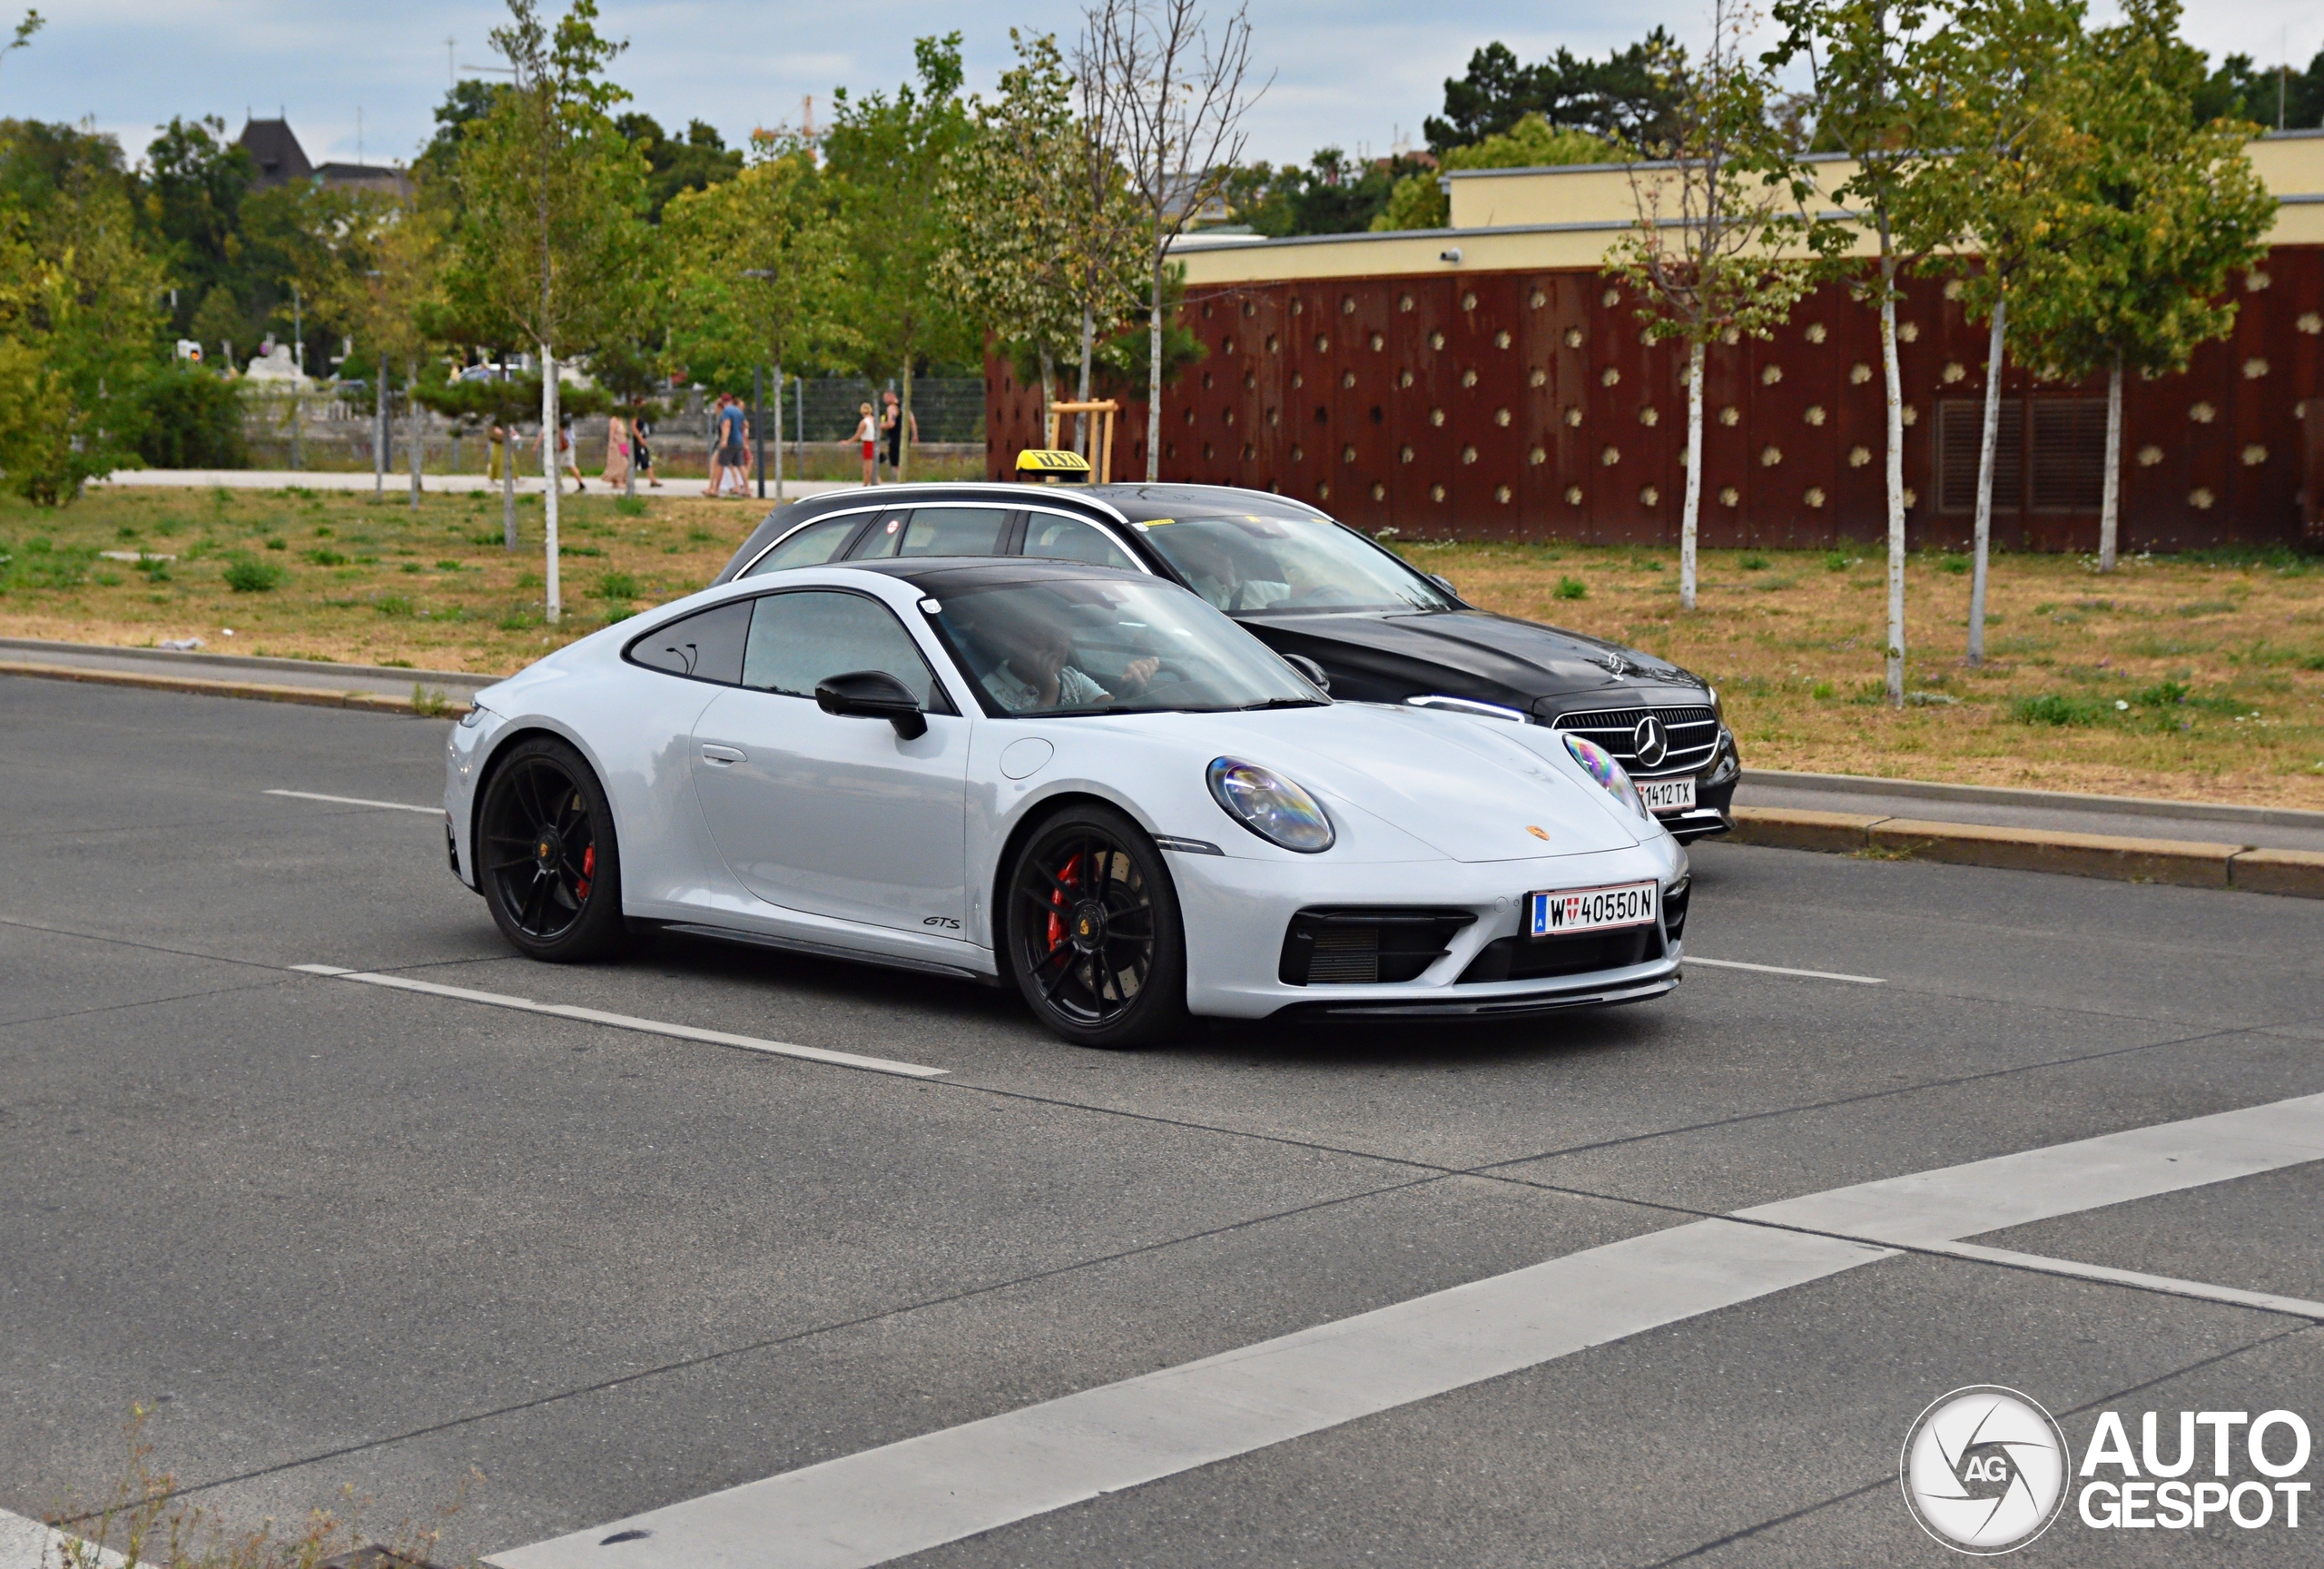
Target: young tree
x,y
887,156
1042,246
1169,99
379,281
759,264
1869,63
1998,195
550,239
2157,217
1717,214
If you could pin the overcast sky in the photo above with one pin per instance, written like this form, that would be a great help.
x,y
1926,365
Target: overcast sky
x,y
1358,74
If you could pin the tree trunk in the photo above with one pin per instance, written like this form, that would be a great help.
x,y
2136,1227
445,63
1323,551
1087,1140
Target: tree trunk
x,y
554,472
1082,423
2109,509
1988,451
1691,519
1154,377
379,437
778,432
1049,392
295,464
509,485
629,469
416,439
1896,479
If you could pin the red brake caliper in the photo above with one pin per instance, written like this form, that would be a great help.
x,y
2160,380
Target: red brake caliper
x,y
588,871
1070,877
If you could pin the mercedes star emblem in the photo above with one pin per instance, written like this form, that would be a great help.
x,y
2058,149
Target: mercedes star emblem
x,y
1650,741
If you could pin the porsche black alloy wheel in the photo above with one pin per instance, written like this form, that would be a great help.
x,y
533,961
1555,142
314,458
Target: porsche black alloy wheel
x,y
544,841
1093,932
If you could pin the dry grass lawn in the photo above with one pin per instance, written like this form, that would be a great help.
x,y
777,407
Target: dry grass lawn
x,y
2197,679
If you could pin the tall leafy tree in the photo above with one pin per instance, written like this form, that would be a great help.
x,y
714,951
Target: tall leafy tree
x,y
888,155
1043,245
1168,96
758,265
1878,98
1721,213
1628,97
1995,203
1419,200
79,323
2158,217
550,234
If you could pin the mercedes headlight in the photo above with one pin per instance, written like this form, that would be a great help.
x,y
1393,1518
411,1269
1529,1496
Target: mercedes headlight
x,y
1600,765
1272,807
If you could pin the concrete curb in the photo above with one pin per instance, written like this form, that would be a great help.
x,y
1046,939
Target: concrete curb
x,y
2054,800
313,697
2189,864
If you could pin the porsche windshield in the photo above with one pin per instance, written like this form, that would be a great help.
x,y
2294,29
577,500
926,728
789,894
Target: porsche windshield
x,y
1252,565
1108,645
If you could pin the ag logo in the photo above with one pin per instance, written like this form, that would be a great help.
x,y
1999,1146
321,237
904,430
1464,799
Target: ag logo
x,y
1985,1470
1651,740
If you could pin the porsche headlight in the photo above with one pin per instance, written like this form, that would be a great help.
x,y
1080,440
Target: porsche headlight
x,y
1271,806
1600,765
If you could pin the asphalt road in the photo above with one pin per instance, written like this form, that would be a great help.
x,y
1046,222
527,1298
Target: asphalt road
x,y
339,1235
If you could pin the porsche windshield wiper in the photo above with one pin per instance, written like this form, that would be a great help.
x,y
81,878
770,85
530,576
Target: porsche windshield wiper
x,y
1281,703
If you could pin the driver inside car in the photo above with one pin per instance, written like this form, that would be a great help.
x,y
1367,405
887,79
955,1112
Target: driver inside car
x,y
1037,672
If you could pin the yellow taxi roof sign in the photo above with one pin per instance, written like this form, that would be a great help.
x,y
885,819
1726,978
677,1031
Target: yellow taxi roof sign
x,y
1051,466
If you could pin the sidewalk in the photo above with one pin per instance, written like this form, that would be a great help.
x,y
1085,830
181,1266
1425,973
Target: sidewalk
x,y
2047,810
399,483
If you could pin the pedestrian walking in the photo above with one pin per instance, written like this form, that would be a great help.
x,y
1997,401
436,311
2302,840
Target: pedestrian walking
x,y
616,471
729,433
563,463
642,453
496,446
867,436
891,430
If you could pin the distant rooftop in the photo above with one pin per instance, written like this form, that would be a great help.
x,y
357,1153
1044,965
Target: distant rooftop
x,y
274,147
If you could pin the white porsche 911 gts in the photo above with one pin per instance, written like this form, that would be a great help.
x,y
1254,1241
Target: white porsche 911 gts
x,y
1084,783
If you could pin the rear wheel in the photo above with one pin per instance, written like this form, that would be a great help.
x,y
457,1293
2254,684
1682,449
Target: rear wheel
x,y
545,838
1093,932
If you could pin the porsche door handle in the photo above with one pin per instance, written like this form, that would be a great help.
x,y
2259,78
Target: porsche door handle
x,y
721,756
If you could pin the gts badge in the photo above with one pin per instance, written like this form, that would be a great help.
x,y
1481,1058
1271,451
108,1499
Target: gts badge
x,y
942,922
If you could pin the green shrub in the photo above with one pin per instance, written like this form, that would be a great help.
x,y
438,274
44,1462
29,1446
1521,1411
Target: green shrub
x,y
193,420
392,605
1572,588
248,574
2162,694
1956,565
1753,562
1837,560
2055,708
325,558
630,506
622,586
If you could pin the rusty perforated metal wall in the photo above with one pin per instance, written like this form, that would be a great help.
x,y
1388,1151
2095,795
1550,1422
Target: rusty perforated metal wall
x,y
1526,404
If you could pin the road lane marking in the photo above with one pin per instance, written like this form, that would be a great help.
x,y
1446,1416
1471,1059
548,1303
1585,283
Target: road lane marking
x,y
356,801
628,1021
1780,970
2201,1290
29,1545
905,1498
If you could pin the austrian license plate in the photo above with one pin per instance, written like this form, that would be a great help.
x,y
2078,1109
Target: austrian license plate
x,y
1666,794
1566,910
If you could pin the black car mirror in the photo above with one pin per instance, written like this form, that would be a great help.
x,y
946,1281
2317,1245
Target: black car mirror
x,y
1446,584
1309,668
873,694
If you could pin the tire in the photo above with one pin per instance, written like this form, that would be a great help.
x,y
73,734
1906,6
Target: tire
x,y
1101,963
549,865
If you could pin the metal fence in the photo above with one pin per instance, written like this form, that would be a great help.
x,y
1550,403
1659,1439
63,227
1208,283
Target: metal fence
x,y
824,407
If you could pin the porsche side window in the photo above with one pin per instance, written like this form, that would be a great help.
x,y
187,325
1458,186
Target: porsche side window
x,y
706,645
810,546
801,638
1071,539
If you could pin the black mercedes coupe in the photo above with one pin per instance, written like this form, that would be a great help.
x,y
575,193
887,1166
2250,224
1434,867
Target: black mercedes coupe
x,y
1373,626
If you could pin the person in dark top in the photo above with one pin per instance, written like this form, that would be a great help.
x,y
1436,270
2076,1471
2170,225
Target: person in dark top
x,y
893,432
729,430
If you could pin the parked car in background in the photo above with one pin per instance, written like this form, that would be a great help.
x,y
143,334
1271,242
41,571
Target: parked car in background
x,y
1376,628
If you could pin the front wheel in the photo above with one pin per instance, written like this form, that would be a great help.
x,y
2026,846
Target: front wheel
x,y
551,870
1093,932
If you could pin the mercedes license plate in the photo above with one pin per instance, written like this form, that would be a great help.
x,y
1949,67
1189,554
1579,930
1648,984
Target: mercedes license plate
x,y
1561,911
1666,794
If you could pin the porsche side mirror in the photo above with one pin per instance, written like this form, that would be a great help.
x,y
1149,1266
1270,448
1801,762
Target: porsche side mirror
x,y
1312,671
873,694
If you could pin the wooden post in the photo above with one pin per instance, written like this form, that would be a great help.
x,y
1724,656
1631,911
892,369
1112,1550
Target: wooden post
x,y
1104,409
